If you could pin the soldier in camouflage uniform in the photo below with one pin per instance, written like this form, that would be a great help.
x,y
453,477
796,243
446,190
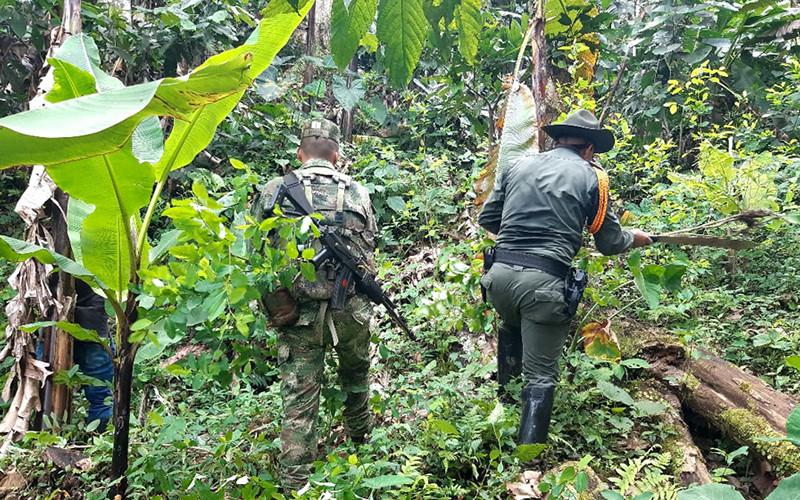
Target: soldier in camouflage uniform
x,y
306,325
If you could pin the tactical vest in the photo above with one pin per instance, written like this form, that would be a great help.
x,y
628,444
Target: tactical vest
x,y
331,193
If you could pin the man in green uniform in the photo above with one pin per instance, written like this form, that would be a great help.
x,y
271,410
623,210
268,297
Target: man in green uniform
x,y
538,209
306,323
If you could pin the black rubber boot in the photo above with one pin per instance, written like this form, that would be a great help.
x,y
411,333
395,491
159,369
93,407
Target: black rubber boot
x,y
537,404
509,359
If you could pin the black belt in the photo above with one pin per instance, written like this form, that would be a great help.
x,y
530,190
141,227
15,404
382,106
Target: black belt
x,y
550,266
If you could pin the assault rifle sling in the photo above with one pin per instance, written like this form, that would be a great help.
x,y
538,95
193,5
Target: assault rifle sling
x,y
334,247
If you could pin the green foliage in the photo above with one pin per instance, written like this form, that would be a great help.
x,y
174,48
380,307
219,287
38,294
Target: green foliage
x,y
644,478
652,279
732,188
401,24
454,302
349,23
206,373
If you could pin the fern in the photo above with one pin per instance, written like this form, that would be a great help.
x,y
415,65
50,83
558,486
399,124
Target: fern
x,y
646,474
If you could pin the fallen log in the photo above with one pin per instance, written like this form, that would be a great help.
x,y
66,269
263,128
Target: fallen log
x,y
693,469
740,405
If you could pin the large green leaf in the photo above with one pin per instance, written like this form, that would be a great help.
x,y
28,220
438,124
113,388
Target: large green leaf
x,y
77,73
470,23
615,393
18,251
92,158
192,135
402,27
69,82
349,23
101,123
519,134
793,427
711,491
74,329
788,489
120,186
648,280
348,97
77,211
81,52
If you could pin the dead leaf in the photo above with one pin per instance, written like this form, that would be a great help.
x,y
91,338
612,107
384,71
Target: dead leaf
x,y
520,491
600,341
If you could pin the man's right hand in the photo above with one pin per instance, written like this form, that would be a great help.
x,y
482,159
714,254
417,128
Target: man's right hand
x,y
640,238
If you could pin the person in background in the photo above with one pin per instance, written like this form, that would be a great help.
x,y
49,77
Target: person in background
x,y
92,358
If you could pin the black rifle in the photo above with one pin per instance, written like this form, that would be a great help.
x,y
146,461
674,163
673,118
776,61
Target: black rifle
x,y
350,268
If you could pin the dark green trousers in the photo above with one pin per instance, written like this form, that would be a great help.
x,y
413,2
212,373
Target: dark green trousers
x,y
532,302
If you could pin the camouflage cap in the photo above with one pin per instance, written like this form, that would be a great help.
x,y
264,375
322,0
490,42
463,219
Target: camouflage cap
x,y
321,128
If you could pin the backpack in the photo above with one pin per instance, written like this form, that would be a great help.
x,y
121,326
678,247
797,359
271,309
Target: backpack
x,y
344,204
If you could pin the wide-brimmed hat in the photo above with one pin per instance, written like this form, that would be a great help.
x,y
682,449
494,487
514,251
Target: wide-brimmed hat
x,y
582,123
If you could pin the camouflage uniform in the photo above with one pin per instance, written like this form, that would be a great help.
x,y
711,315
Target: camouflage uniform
x,y
302,344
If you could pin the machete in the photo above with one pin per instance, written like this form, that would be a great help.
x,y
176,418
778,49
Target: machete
x,y
702,240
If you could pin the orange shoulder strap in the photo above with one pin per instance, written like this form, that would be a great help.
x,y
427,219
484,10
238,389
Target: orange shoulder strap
x,y
602,205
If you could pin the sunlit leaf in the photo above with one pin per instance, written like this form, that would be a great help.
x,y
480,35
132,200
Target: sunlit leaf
x,y
793,361
527,452
469,29
39,136
497,413
444,426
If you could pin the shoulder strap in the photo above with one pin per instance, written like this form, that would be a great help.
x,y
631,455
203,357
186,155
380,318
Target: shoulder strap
x,y
307,174
296,193
602,204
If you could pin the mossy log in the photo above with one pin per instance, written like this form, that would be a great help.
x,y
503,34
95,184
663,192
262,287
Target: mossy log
x,y
737,403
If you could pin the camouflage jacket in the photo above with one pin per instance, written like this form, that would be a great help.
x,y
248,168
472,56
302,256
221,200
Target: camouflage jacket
x,y
343,203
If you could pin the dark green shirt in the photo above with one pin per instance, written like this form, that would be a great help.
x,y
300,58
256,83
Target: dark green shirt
x,y
540,205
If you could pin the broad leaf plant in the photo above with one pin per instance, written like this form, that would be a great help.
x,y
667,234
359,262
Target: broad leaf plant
x,y
102,143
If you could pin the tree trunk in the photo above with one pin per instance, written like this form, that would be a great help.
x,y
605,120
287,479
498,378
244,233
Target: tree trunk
x,y
347,116
57,399
539,70
322,21
737,403
308,75
122,411
123,381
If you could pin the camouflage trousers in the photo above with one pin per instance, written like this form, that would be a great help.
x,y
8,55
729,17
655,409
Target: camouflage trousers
x,y
301,353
